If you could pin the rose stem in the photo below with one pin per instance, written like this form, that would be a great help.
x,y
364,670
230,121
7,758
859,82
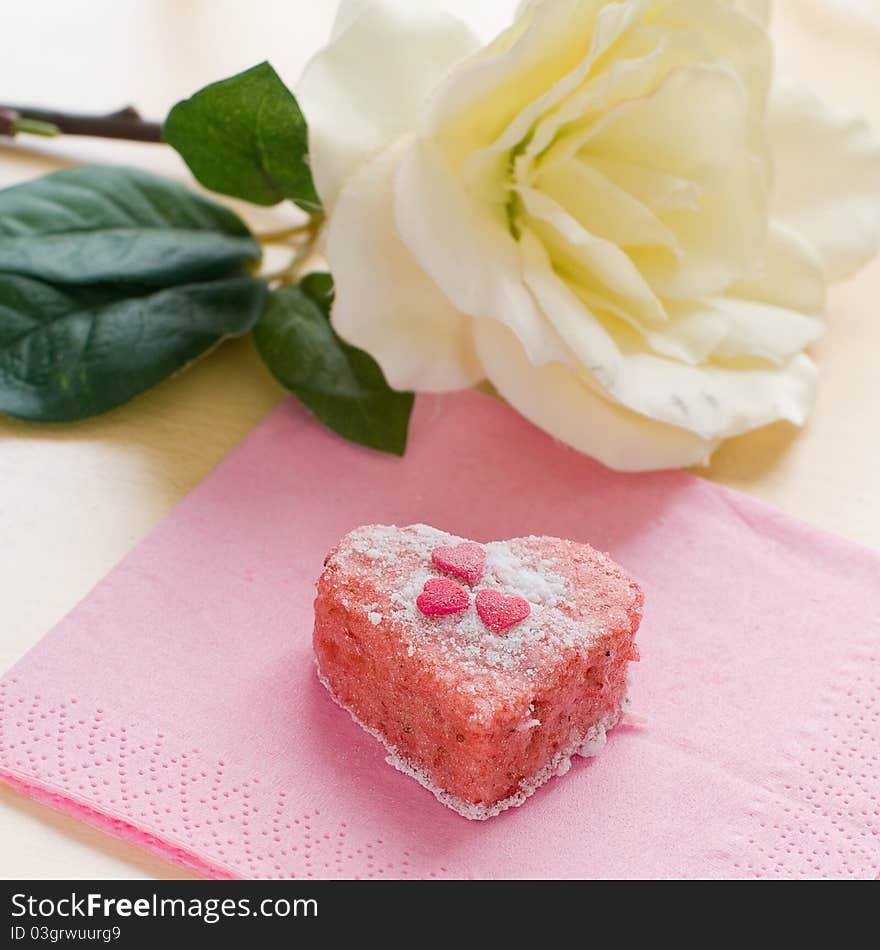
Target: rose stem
x,y
124,124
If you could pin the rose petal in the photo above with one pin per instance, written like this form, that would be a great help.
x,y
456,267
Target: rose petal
x,y
711,401
385,303
731,36
714,328
483,164
727,328
790,276
602,208
655,189
827,179
346,13
680,33
555,398
608,26
469,252
634,74
368,86
721,241
695,143
758,10
485,19
549,40
598,265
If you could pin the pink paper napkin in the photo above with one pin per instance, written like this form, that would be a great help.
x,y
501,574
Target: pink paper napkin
x,y
178,707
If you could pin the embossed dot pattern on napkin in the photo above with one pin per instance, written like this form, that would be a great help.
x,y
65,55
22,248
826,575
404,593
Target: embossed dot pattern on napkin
x,y
178,707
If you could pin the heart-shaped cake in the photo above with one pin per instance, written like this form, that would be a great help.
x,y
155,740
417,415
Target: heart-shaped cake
x,y
481,692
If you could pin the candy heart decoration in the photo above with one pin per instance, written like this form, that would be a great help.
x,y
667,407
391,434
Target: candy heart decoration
x,y
441,597
465,560
500,612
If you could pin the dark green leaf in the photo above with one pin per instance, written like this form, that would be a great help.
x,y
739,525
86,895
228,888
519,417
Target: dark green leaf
x,y
246,137
343,386
95,224
68,353
319,286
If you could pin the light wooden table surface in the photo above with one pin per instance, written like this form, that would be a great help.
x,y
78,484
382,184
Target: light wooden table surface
x,y
75,499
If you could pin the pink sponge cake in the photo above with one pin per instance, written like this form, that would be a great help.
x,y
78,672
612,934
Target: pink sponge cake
x,y
482,668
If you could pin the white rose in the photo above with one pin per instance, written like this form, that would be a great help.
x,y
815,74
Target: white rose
x,y
604,212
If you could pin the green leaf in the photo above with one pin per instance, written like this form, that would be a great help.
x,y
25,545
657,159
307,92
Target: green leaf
x,y
343,386
319,287
68,353
96,224
246,137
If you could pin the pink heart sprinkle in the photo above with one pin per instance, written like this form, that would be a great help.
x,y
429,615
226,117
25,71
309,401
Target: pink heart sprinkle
x,y
499,612
465,560
441,597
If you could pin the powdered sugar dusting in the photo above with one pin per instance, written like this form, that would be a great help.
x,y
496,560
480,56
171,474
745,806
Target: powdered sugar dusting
x,y
377,542
512,567
510,574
